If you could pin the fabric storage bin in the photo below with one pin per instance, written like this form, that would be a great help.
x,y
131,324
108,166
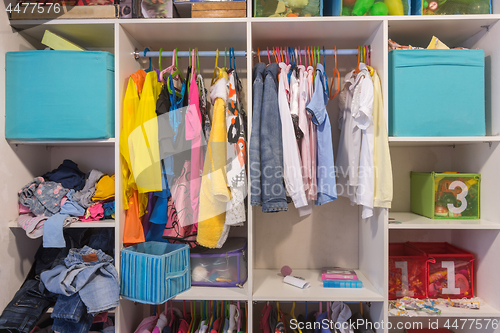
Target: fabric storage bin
x,y
366,7
436,93
154,272
59,95
450,7
407,271
445,195
287,8
450,270
224,267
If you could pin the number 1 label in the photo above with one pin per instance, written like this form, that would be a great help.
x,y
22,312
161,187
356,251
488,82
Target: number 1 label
x,y
450,269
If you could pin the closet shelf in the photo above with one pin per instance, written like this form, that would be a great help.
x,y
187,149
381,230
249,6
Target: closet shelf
x,y
414,221
51,309
65,143
215,293
486,311
404,141
269,286
94,224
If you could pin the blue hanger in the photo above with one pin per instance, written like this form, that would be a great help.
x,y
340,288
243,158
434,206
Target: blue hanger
x,y
326,79
148,69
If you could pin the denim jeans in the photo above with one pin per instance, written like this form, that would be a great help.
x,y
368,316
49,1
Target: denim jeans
x,y
88,272
26,308
70,315
258,91
271,146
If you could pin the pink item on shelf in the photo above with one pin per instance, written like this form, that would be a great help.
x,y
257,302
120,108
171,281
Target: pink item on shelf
x,y
23,209
93,213
286,270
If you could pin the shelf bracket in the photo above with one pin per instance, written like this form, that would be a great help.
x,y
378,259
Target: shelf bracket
x,y
490,143
487,27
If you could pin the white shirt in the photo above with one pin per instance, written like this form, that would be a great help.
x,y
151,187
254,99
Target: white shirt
x,y
355,154
291,161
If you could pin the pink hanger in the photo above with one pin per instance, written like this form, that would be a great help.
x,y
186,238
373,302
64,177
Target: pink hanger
x,y
168,69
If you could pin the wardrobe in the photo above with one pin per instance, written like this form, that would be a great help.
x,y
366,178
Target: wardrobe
x,y
334,234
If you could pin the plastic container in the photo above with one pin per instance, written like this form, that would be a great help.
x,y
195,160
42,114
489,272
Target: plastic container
x,y
436,93
450,7
450,270
445,195
154,272
407,271
59,95
342,284
287,8
366,7
224,267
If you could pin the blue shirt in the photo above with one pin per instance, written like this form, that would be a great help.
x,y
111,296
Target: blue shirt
x,y
327,187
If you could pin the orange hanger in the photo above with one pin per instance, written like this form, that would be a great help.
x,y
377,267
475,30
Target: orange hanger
x,y
335,73
275,55
357,70
258,53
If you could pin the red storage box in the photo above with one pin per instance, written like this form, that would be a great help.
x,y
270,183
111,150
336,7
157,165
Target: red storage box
x,y
448,260
407,271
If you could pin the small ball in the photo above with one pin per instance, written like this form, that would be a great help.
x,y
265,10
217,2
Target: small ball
x,y
286,270
199,274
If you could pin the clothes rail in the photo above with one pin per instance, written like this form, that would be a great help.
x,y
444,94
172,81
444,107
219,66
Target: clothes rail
x,y
168,54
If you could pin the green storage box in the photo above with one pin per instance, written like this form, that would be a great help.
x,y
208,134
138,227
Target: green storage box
x,y
445,195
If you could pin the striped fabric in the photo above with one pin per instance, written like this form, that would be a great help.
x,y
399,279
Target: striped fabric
x,y
154,272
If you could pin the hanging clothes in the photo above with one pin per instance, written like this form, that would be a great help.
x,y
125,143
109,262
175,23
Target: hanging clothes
x,y
214,193
355,153
304,142
327,190
254,150
236,154
143,140
313,193
381,155
291,161
271,146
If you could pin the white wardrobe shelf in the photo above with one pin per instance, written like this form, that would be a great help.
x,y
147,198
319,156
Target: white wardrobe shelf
x,y
406,141
414,221
486,311
215,293
64,143
94,224
269,286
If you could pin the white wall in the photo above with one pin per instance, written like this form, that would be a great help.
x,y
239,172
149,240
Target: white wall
x,y
18,165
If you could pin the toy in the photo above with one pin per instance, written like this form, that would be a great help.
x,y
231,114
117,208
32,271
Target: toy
x,y
438,279
379,8
361,7
286,270
395,7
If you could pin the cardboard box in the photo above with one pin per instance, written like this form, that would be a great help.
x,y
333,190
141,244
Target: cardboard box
x,y
219,9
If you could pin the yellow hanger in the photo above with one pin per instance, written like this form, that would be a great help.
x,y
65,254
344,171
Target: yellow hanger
x,y
215,68
159,59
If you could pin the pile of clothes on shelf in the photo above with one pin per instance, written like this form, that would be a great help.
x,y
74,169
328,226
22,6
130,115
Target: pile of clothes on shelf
x,y
64,196
78,280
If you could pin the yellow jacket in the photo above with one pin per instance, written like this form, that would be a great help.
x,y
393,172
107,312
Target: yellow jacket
x,y
214,192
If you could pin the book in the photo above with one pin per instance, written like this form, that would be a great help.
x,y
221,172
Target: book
x,y
337,273
57,42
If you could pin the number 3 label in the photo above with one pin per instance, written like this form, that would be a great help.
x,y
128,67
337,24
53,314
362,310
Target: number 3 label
x,y
461,197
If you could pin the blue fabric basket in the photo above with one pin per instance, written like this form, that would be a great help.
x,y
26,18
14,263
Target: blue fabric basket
x,y
59,95
154,272
436,93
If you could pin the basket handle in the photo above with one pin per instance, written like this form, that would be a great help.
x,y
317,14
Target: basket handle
x,y
177,274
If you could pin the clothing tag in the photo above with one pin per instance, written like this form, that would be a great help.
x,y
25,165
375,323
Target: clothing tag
x,y
90,257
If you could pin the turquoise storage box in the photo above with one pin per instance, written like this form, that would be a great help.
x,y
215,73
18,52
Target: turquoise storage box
x,y
59,95
154,272
436,93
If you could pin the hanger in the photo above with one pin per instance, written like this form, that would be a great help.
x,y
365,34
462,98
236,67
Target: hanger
x,y
275,56
305,57
320,307
149,68
258,53
197,59
192,316
268,56
357,70
215,68
325,78
177,73
292,314
159,59
335,73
